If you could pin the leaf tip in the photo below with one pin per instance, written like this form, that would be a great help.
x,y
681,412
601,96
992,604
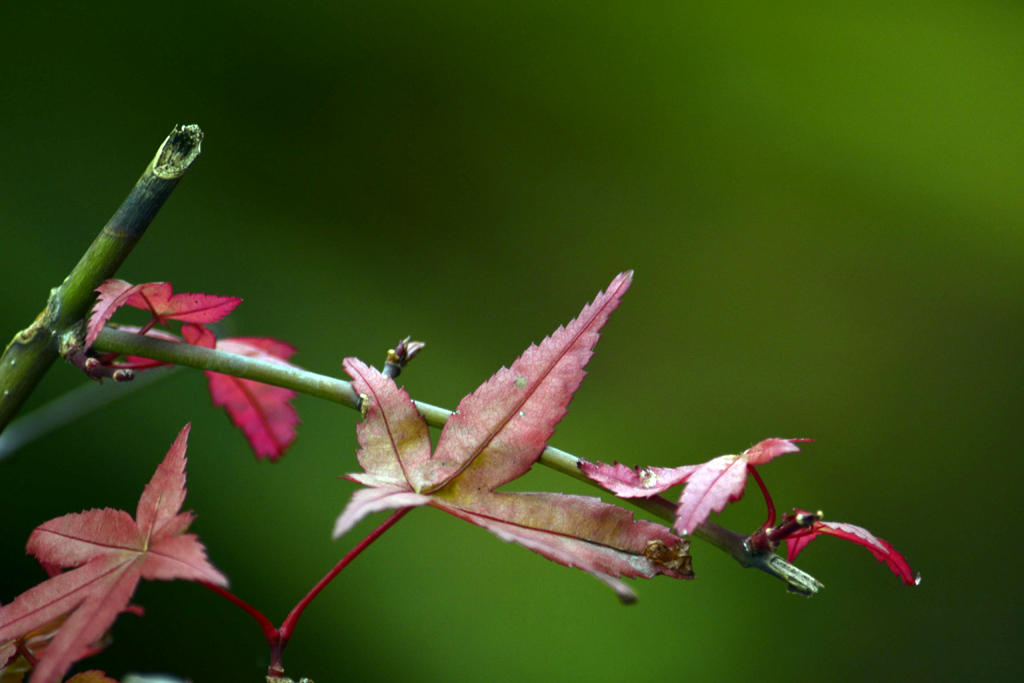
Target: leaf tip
x,y
769,449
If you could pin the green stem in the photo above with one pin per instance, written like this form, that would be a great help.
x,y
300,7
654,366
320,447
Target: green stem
x,y
287,376
58,329
340,391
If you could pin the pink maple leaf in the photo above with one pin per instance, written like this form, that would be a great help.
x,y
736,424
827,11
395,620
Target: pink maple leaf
x,y
263,412
495,436
157,298
636,482
714,484
111,553
710,486
880,548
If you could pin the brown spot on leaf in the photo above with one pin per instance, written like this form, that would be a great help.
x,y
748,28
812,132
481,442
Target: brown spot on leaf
x,y
676,557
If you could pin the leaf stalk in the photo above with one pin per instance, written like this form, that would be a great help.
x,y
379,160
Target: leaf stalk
x,y
277,638
770,522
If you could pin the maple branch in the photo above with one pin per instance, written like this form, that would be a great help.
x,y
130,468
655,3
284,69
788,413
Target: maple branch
x,y
340,391
118,341
58,328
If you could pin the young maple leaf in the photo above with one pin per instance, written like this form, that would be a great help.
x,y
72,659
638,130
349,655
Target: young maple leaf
x,y
263,412
638,482
709,486
722,480
112,552
156,297
880,548
495,436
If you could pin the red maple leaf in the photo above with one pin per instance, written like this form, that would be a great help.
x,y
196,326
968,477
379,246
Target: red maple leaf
x,y
112,552
157,298
263,412
710,486
880,548
495,436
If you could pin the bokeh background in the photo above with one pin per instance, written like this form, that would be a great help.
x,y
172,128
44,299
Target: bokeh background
x,y
822,202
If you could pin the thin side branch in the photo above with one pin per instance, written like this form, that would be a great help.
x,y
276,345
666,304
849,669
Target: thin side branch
x,y
340,391
58,329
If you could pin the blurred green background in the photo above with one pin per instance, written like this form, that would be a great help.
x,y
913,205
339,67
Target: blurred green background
x,y
823,205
